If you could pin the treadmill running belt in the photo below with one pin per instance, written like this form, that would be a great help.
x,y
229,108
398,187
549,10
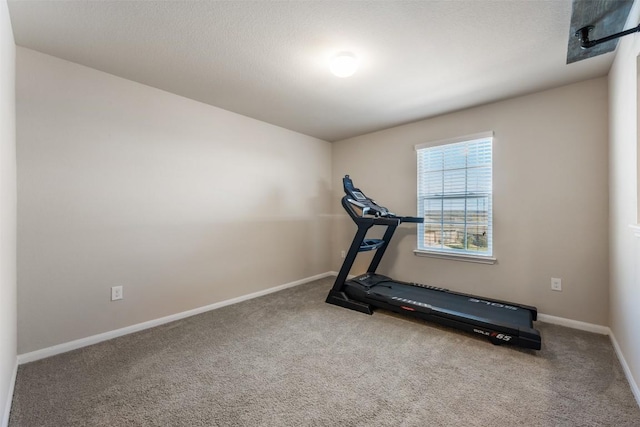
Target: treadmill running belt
x,y
452,303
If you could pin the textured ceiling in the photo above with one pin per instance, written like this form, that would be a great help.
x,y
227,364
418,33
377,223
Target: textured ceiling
x,y
269,59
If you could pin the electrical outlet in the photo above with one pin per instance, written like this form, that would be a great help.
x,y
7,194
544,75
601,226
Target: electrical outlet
x,y
343,254
116,293
556,284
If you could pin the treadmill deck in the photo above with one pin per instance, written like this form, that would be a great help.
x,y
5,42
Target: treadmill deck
x,y
498,320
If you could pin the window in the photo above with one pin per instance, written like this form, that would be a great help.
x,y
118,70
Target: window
x,y
454,198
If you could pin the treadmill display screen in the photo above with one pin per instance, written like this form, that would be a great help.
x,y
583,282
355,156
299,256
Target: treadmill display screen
x,y
359,196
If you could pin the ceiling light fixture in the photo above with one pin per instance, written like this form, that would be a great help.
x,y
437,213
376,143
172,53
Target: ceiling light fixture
x,y
344,64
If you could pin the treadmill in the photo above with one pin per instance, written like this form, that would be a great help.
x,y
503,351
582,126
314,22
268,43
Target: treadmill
x,y
501,322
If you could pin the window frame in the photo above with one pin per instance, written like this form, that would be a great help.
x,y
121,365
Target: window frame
x,y
454,254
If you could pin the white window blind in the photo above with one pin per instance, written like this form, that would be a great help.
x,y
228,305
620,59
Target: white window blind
x,y
455,196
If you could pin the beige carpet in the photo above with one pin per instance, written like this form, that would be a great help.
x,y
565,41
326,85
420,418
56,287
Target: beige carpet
x,y
289,359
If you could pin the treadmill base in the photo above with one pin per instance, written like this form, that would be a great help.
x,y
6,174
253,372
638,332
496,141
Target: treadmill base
x,y
501,322
341,299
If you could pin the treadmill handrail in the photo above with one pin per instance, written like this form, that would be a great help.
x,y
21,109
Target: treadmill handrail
x,y
348,203
374,220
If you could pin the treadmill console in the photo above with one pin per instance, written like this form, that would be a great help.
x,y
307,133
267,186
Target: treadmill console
x,y
365,204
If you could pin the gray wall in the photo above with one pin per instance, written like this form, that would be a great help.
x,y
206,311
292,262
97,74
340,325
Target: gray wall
x,y
7,211
624,173
182,203
550,199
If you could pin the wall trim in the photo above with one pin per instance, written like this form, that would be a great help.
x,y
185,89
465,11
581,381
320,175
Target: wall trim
x,y
636,229
94,339
7,407
456,257
574,324
625,367
598,329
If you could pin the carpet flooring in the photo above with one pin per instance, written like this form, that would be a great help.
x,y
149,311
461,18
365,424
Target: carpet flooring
x,y
289,359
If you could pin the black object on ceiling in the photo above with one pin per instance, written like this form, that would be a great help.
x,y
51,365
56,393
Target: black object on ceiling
x,y
595,27
586,43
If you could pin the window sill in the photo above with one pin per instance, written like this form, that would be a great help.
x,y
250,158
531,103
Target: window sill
x,y
636,229
456,257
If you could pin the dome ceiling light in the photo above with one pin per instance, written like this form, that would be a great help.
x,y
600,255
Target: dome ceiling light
x,y
344,64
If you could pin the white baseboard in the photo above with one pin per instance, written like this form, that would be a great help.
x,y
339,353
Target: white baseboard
x,y
335,273
7,407
574,324
598,329
94,339
625,367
